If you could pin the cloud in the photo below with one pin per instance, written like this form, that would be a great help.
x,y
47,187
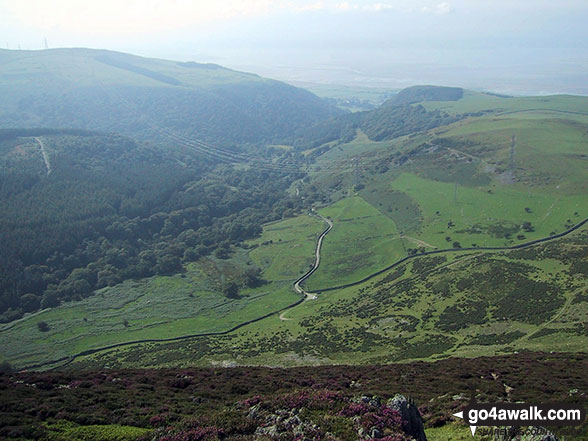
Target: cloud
x,y
126,17
377,7
440,8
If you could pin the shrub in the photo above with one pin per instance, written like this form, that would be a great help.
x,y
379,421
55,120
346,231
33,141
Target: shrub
x,y
43,326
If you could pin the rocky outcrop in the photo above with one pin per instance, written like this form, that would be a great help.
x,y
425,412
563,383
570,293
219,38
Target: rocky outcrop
x,y
322,415
412,422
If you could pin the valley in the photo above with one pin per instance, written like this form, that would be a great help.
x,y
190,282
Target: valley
x,y
174,217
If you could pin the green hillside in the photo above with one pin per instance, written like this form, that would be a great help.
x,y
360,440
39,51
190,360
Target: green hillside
x,y
418,94
104,90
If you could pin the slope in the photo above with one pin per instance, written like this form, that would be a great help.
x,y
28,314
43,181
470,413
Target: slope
x,y
104,90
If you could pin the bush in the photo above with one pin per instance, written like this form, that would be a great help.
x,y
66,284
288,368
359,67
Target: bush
x,y
43,326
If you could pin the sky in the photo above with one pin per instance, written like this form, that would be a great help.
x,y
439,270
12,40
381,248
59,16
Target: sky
x,y
509,46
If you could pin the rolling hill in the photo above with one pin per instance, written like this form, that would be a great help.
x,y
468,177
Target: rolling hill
x,y
145,98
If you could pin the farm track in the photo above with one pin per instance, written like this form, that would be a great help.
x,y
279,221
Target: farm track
x,y
45,155
307,294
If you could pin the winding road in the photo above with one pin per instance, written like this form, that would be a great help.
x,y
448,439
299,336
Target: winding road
x,y
307,295
317,260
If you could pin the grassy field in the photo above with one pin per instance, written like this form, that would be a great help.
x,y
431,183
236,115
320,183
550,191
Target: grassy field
x,y
466,304
479,102
286,249
362,241
486,216
166,307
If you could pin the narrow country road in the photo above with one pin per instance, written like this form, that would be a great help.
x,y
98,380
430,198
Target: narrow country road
x,y
45,155
317,260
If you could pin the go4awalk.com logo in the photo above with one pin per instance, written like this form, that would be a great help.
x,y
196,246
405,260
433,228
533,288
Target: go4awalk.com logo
x,y
519,414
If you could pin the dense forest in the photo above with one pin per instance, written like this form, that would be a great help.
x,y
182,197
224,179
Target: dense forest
x,y
113,209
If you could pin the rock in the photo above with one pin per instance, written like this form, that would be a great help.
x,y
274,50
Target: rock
x,y
375,433
411,417
254,411
372,401
271,431
292,422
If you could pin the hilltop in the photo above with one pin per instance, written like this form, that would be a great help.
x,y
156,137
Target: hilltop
x,y
146,97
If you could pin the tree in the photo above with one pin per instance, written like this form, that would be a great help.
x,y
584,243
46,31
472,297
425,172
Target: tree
x,y
30,302
50,298
108,277
231,290
221,253
528,227
252,278
168,264
6,368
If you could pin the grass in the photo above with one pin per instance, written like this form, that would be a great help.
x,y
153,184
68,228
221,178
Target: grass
x,y
286,249
66,431
84,65
477,102
484,216
167,307
453,432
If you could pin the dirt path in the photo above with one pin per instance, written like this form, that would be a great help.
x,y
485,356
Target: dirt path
x,y
45,155
418,241
557,316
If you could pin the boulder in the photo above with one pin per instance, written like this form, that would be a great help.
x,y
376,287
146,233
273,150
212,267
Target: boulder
x,y
411,417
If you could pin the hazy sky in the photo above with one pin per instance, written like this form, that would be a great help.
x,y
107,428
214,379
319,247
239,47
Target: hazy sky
x,y
503,45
